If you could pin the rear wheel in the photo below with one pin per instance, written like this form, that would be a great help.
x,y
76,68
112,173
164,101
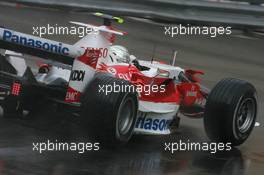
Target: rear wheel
x,y
12,107
109,118
231,111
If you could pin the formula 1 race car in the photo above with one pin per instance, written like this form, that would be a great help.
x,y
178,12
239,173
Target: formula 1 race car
x,y
115,94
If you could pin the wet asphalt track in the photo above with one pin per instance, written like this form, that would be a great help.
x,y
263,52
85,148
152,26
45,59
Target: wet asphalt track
x,y
234,56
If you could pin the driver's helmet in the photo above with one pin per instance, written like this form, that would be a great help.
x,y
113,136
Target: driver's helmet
x,y
119,54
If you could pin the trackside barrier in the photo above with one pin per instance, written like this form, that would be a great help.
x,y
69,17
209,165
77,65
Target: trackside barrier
x,y
195,12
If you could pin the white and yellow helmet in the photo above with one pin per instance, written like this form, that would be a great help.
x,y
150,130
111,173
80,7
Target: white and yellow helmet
x,y
119,54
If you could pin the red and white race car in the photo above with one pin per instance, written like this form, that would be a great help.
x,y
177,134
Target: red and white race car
x,y
117,95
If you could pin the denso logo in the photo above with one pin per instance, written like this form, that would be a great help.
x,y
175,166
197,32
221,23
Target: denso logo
x,y
152,124
23,40
77,75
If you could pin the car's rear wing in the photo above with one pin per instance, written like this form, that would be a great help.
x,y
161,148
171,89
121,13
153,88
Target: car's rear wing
x,y
36,46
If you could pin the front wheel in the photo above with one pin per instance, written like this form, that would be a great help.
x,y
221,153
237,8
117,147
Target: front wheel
x,y
231,111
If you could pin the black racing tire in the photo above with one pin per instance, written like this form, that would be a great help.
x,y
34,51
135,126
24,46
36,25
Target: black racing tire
x,y
109,119
12,107
231,111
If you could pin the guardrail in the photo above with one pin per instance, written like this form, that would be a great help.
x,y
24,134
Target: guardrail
x,y
253,2
180,11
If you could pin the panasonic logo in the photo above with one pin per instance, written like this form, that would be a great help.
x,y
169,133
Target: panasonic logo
x,y
152,124
23,40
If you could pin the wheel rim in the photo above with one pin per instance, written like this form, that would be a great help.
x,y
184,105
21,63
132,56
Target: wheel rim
x,y
125,119
245,115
